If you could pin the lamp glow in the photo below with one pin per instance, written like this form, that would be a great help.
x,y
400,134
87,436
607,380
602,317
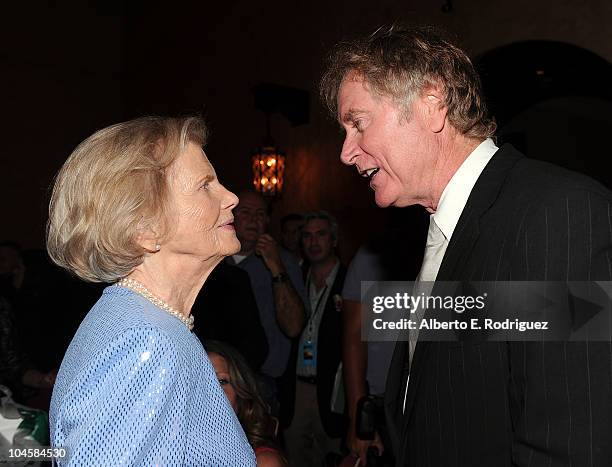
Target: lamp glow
x,y
268,171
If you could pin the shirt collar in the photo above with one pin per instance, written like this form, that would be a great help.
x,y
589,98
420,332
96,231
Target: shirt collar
x,y
457,191
331,277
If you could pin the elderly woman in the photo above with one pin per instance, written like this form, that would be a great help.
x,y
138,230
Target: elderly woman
x,y
139,205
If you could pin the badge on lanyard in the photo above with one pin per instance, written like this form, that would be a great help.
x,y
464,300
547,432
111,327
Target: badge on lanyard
x,y
308,354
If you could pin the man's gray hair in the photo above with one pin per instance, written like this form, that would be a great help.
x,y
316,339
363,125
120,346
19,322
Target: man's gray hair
x,y
333,223
400,63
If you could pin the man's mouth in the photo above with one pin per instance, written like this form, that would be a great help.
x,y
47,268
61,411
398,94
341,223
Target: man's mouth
x,y
369,173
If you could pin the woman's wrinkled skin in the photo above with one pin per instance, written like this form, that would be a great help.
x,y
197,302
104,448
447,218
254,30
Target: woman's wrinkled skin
x,y
200,232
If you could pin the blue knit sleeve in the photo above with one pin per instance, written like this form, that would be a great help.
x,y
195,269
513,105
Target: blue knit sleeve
x,y
128,406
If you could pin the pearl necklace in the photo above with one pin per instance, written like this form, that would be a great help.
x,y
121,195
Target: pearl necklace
x,y
142,290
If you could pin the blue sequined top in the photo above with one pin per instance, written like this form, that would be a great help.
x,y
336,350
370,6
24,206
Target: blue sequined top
x,y
137,388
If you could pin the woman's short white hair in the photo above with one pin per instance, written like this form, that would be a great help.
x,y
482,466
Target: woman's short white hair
x,y
112,187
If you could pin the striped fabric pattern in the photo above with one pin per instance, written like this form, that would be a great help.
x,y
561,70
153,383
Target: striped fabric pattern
x,y
514,403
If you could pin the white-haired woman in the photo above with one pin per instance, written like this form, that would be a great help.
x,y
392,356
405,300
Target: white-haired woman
x,y
139,205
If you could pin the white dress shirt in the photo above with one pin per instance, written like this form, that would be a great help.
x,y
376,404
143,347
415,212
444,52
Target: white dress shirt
x,y
442,223
455,195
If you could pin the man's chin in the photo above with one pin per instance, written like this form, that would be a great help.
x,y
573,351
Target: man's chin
x,y
382,201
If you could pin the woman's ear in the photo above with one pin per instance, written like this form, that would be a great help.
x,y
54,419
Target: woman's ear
x,y
148,239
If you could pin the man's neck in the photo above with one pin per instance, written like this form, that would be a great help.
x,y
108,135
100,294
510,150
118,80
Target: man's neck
x,y
455,152
320,271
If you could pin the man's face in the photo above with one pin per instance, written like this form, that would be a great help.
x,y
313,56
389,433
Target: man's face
x,y
317,240
397,154
250,218
291,235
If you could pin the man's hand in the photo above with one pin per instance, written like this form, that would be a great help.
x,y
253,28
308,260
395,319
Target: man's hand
x,y
290,312
267,248
359,447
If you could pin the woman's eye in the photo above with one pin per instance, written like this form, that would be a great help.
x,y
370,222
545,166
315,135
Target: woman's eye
x,y
223,381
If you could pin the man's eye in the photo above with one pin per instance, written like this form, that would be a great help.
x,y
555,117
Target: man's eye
x,y
205,186
357,125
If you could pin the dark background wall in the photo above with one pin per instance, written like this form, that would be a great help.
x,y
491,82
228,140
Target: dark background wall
x,y
67,71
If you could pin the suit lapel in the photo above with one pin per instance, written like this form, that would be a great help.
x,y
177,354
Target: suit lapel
x,y
482,197
331,307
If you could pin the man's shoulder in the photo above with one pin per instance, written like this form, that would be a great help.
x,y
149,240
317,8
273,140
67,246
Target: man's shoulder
x,y
341,274
551,177
287,257
252,264
232,273
532,180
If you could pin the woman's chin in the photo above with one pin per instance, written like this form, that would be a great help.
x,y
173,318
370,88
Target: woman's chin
x,y
234,247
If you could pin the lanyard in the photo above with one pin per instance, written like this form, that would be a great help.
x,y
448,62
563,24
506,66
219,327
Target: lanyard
x,y
316,310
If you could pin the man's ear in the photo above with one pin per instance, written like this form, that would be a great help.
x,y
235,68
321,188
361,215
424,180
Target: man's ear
x,y
434,108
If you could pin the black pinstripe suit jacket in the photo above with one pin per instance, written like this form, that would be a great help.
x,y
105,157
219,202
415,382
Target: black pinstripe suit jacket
x,y
513,403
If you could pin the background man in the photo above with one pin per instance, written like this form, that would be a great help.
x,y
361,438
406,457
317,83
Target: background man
x,y
227,312
417,128
291,234
277,284
395,254
315,429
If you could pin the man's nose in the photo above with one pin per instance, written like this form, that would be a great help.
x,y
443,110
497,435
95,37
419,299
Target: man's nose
x,y
350,151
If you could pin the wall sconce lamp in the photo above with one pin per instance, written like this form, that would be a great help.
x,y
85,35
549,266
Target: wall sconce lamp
x,y
268,170
268,162
268,166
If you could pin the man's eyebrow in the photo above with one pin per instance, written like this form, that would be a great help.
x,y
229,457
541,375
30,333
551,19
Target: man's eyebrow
x,y
350,115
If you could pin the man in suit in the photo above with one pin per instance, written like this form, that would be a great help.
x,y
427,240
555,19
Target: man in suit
x,y
227,312
276,283
315,427
416,127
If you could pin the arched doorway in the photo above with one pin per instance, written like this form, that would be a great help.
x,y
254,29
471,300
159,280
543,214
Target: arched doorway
x,y
553,101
